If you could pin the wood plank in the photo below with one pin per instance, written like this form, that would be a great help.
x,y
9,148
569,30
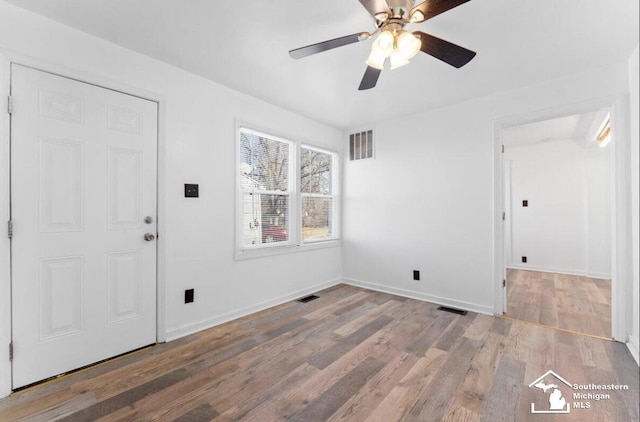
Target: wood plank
x,y
202,413
434,400
333,398
575,303
327,357
390,364
502,400
430,334
127,398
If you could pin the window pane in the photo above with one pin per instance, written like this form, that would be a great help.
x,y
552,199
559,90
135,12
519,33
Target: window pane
x,y
264,162
265,218
317,218
315,172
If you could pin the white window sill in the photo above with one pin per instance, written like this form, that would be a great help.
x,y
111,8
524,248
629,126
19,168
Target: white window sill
x,y
244,254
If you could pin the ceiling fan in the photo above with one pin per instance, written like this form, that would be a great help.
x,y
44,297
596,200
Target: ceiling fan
x,y
393,42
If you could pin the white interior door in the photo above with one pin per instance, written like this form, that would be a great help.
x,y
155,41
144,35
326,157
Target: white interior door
x,y
83,179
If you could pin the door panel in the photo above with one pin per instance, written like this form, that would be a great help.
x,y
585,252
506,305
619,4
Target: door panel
x,y
83,177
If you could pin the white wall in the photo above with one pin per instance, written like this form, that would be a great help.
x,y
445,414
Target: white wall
x,y
566,227
635,188
426,202
198,145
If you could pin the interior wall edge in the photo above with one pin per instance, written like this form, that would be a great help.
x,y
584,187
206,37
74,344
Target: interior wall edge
x,y
412,294
196,327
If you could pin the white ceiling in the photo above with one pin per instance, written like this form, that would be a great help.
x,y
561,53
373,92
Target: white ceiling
x,y
244,44
576,127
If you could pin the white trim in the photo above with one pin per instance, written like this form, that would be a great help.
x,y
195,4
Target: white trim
x,y
8,57
621,286
559,271
632,345
188,329
458,304
5,244
621,251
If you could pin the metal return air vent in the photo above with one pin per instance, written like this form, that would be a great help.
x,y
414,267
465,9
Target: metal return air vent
x,y
452,310
361,145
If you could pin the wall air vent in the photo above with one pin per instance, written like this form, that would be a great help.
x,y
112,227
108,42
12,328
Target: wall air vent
x,y
361,145
452,310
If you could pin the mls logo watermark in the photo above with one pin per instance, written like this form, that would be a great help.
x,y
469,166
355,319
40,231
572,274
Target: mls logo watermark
x,y
585,396
550,384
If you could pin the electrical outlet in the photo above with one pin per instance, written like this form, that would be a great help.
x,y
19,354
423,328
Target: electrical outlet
x,y
191,190
524,259
416,275
188,295
525,203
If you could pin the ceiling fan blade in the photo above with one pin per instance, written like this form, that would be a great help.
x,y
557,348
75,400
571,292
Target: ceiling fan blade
x,y
301,52
370,78
375,7
443,50
431,8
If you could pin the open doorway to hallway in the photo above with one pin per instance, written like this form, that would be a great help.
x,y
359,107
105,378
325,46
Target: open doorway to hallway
x,y
558,231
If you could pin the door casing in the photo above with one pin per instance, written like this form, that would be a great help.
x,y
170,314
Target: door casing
x,y
621,271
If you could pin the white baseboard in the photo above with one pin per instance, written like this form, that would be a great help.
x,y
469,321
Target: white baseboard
x,y
632,345
185,330
452,303
559,271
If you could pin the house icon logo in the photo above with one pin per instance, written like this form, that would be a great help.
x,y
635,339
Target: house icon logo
x,y
549,384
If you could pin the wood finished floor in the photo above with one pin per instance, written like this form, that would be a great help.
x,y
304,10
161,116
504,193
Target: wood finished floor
x,y
351,355
570,302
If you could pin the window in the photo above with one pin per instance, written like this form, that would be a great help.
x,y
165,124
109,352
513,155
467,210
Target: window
x,y
265,188
286,194
316,187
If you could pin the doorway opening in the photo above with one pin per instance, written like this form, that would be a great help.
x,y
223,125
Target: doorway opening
x,y
558,190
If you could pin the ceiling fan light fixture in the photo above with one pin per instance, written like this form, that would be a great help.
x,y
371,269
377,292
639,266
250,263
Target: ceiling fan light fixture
x,y
375,60
383,45
408,44
398,59
381,16
417,16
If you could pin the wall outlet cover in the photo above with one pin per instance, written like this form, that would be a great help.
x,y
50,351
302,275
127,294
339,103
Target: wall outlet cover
x,y
188,295
190,190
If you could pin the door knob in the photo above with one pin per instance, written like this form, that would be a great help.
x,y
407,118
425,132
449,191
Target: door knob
x,y
149,237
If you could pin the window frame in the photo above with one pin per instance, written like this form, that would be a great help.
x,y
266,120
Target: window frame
x,y
333,196
295,242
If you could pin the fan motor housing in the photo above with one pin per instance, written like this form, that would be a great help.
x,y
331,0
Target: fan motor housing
x,y
401,8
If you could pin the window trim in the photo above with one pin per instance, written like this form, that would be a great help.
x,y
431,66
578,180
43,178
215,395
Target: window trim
x,y
335,194
295,243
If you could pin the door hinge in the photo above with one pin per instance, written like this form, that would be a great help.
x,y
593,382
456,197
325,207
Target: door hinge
x,y
10,229
503,148
10,104
504,216
504,283
11,351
